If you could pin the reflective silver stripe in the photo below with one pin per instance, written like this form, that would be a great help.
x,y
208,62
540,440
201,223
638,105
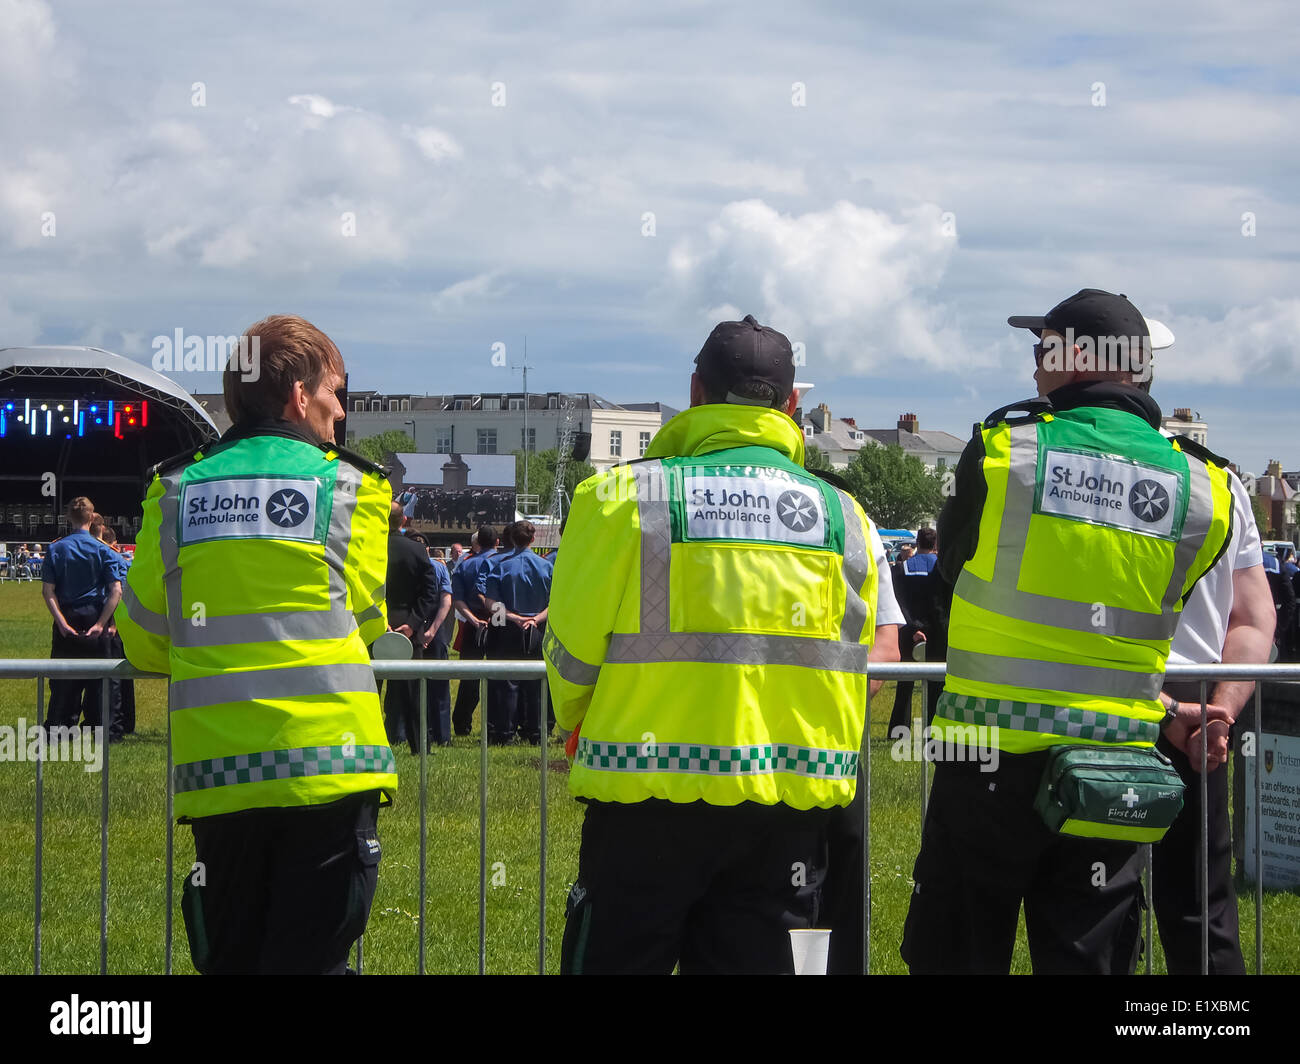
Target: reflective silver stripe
x,y
142,616
282,765
265,628
1052,676
570,668
1052,720
371,613
1065,613
738,649
347,481
266,684
855,569
1196,527
701,759
656,544
1022,481
169,506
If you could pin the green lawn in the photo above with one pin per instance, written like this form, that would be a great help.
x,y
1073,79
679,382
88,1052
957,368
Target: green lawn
x,y
137,847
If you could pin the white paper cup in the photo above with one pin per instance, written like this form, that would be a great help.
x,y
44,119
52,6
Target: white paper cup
x,y
810,948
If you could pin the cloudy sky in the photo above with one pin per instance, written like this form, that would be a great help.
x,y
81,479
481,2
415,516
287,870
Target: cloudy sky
x,y
883,183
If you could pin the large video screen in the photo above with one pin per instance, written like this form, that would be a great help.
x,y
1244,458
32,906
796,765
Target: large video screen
x,y
454,492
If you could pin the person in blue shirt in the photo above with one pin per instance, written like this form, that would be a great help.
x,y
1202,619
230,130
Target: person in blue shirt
x,y
473,615
516,588
81,586
436,644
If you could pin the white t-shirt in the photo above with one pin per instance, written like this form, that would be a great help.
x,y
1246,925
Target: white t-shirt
x,y
1204,623
887,608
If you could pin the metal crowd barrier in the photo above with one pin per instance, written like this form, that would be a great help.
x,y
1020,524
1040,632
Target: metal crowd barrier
x,y
119,669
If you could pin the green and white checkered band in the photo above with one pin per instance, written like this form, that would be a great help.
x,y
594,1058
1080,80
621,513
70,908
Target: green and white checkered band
x,y
282,765
718,760
1052,720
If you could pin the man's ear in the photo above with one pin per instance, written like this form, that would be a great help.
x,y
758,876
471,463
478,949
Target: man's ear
x,y
697,390
296,408
792,404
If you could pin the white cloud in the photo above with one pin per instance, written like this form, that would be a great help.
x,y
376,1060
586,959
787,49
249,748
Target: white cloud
x,y
1251,344
854,284
456,296
433,143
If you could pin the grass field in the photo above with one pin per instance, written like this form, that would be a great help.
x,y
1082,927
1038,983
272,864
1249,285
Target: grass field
x,y
137,842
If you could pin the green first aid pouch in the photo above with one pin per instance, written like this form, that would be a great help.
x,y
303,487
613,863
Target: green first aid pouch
x,y
1109,792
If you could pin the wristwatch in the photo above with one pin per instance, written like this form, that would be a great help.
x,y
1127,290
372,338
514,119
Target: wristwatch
x,y
1171,710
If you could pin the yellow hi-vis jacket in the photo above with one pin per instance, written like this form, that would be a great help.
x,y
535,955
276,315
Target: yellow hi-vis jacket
x,y
1094,531
710,621
257,584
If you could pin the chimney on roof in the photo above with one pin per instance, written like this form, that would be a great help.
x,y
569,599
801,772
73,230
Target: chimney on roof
x,y
1182,413
821,418
1274,468
852,422
908,423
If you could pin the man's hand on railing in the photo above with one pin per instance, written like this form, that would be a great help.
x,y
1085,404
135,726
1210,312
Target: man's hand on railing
x,y
1184,732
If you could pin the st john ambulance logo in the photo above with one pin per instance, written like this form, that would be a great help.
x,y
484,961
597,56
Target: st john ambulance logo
x,y
796,511
287,507
1148,500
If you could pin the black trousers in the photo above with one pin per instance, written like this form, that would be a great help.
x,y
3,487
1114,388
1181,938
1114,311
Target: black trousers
x,y
76,701
402,699
514,706
121,696
713,889
1176,870
842,895
282,891
437,696
984,850
473,647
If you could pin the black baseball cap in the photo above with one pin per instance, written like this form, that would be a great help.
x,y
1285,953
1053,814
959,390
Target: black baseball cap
x,y
1089,312
739,354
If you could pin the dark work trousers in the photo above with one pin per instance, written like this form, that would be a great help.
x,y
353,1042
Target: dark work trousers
x,y
984,849
121,696
1176,870
713,889
73,700
473,647
842,908
936,649
283,890
502,696
514,706
438,696
402,697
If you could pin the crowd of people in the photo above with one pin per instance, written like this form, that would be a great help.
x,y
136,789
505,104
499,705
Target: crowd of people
x,y
466,509
707,653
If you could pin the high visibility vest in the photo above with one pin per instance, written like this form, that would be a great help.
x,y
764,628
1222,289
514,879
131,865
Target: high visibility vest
x,y
1094,531
257,584
709,628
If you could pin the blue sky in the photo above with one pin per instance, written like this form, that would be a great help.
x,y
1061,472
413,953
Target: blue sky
x,y
883,184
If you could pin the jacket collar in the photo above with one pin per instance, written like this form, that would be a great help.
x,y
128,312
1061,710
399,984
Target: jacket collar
x,y
1109,394
273,427
720,426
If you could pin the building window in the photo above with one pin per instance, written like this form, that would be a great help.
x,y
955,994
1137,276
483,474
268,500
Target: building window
x,y
358,405
528,439
491,402
444,441
516,404
461,404
376,404
808,432
553,402
406,404
644,443
487,441
615,444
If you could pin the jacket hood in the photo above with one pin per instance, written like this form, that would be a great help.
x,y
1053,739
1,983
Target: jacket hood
x,y
719,426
